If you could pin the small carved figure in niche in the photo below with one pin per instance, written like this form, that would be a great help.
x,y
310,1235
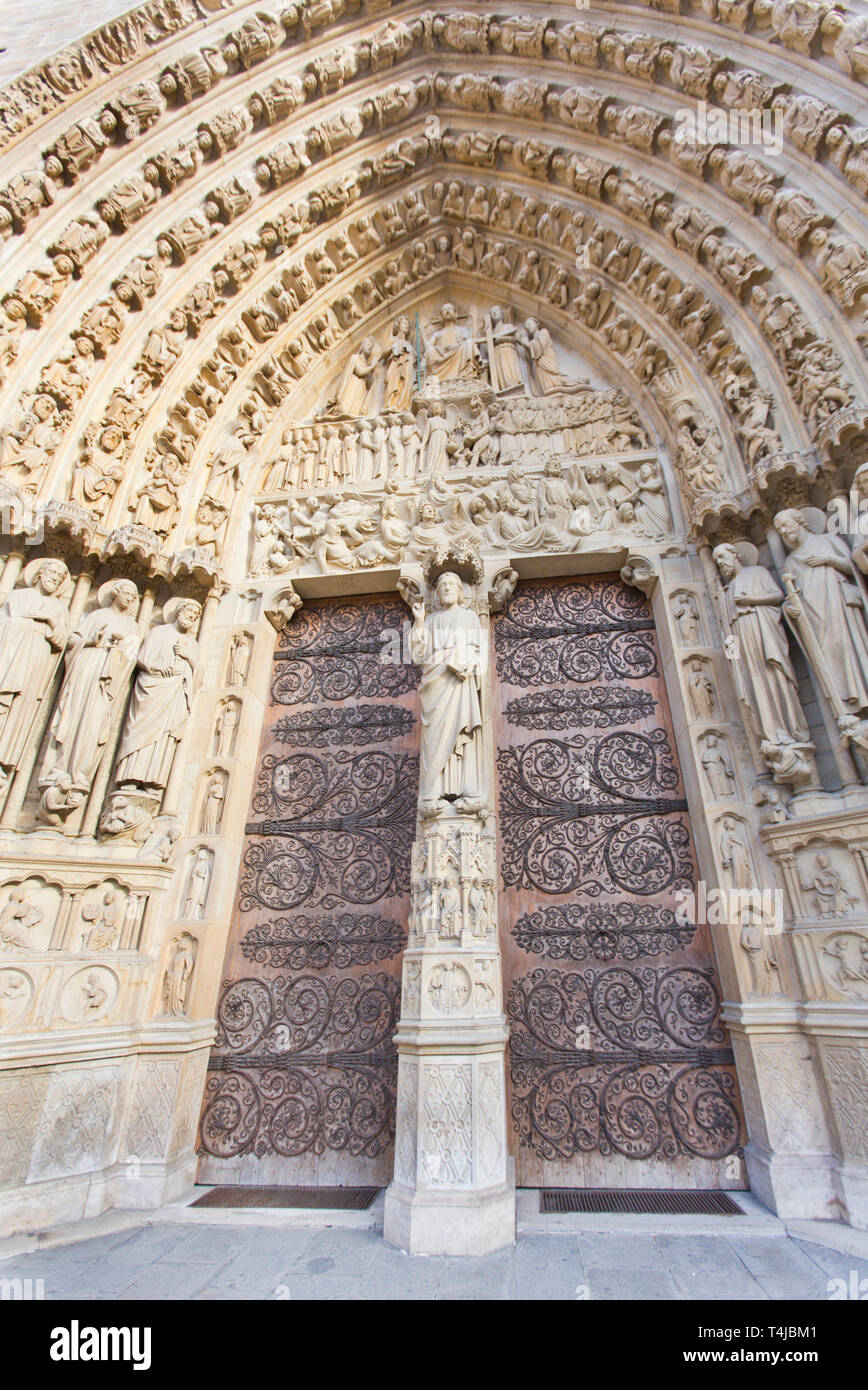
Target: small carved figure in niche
x,y
168,670
447,643
33,630
179,975
103,918
735,855
717,767
686,615
94,995
830,896
225,728
239,659
99,661
450,909
485,995
765,975
18,919
701,691
449,987
212,806
850,973
14,994
197,887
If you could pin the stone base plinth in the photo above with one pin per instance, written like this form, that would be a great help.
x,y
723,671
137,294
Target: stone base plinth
x,y
801,1187
853,1180
449,1223
43,1205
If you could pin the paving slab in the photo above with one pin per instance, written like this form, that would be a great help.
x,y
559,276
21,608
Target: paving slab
x,y
196,1259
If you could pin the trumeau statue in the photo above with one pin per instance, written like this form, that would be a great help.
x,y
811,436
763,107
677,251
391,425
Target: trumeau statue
x,y
33,631
168,671
447,644
752,604
99,661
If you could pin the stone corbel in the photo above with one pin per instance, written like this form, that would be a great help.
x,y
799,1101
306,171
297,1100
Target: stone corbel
x,y
283,607
409,589
501,588
641,572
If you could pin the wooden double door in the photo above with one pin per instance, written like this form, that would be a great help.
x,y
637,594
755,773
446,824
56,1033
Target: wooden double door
x,y
620,1071
302,1078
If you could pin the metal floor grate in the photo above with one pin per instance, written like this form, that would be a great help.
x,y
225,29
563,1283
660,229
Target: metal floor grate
x,y
584,1199
323,1198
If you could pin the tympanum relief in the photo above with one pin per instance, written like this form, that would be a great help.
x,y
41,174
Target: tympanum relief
x,y
461,423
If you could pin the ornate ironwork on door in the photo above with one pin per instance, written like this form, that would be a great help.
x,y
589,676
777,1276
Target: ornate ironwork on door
x,y
302,1076
621,1073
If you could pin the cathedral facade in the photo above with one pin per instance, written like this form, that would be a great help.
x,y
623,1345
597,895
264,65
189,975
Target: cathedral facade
x,y
433,608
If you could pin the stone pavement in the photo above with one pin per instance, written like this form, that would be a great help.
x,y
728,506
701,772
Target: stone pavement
x,y
180,1253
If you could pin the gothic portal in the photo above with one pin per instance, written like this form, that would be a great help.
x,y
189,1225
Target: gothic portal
x,y
433,613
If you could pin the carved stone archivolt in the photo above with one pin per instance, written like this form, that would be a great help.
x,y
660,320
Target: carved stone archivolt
x,y
324,300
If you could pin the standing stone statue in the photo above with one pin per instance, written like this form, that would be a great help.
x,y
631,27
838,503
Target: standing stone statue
x,y
827,610
99,662
176,981
450,350
447,644
168,672
33,629
752,603
197,886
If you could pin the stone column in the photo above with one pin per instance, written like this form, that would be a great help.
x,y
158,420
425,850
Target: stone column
x,y
453,1189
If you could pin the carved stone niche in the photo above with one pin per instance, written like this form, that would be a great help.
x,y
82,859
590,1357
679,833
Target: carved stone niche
x,y
102,916
686,611
226,720
17,992
29,910
702,698
89,995
239,651
828,884
832,963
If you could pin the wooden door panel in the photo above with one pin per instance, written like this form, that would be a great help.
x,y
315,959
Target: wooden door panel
x,y
621,1073
302,1077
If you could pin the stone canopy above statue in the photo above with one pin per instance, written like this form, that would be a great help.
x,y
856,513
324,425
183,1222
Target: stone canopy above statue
x,y
450,354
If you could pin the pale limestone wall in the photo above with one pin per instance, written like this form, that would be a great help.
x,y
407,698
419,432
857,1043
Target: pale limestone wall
x,y
194,183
